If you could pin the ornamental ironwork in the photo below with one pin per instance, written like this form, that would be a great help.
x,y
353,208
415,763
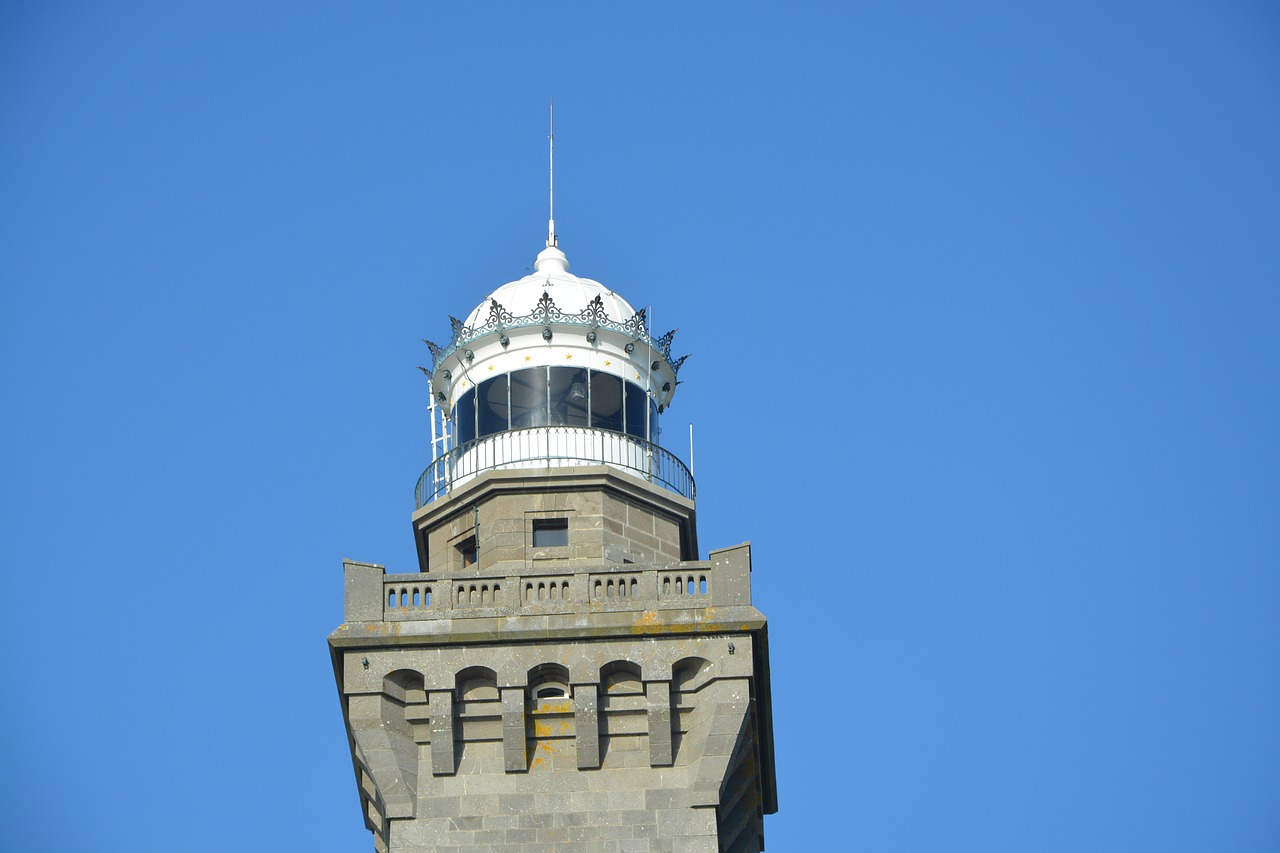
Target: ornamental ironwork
x,y
593,316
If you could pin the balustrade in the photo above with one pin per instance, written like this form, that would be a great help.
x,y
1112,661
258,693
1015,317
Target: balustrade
x,y
553,447
408,597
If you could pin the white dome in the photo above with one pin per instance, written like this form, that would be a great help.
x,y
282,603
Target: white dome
x,y
570,293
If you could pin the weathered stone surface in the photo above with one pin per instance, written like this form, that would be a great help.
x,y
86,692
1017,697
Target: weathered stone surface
x,y
654,737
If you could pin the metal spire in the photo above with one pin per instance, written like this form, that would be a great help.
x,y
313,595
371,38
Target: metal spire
x,y
551,173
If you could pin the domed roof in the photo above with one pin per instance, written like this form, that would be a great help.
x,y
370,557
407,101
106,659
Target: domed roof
x,y
570,293
540,306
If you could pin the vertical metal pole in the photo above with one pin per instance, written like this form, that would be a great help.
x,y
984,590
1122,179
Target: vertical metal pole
x,y
431,416
551,174
690,450
475,509
648,396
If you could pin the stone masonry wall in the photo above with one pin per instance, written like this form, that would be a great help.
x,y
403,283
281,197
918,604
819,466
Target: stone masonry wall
x,y
611,521
601,689
631,758
602,529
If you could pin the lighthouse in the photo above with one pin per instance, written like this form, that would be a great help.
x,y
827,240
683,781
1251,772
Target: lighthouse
x,y
562,670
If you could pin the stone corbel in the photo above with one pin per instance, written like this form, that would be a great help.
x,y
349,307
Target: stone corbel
x,y
514,751
440,704
586,725
389,752
659,700
716,738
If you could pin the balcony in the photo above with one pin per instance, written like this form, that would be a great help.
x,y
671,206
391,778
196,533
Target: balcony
x,y
553,447
413,597
721,583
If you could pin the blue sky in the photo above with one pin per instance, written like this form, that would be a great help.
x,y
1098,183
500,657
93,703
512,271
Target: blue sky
x,y
983,302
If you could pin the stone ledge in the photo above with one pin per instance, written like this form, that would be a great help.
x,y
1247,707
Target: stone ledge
x,y
512,629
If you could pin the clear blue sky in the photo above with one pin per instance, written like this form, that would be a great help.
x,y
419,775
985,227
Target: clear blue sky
x,y
984,301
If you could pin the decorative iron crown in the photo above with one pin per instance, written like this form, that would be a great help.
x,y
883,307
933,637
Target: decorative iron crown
x,y
545,311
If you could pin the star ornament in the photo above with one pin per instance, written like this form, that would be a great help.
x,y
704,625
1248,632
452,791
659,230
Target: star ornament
x,y
527,357
568,356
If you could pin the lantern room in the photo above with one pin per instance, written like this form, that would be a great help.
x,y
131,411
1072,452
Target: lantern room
x,y
551,370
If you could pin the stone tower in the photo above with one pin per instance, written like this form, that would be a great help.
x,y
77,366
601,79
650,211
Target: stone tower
x,y
562,672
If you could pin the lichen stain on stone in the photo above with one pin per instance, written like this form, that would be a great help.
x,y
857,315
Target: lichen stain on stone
x,y
559,728
543,755
564,707
648,623
710,618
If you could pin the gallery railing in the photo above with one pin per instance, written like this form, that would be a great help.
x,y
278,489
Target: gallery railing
x,y
553,447
408,597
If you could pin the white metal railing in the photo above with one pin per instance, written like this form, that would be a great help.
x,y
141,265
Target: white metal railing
x,y
553,447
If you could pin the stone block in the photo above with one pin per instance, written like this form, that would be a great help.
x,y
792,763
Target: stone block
x,y
732,568
642,539
484,805
486,839
442,754
520,804
659,696
640,518
687,822
362,583
514,750
586,802
587,726
437,806
552,834
664,798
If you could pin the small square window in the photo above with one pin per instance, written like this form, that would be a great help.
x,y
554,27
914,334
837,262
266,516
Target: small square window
x,y
467,551
550,532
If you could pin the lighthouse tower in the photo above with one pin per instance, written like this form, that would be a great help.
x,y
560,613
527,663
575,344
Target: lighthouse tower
x,y
561,671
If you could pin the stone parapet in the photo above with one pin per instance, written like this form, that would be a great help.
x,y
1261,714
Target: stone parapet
x,y
373,595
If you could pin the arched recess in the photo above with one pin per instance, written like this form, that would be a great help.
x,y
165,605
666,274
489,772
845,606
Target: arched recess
x,y
476,710
687,676
476,684
404,686
549,681
686,673
621,678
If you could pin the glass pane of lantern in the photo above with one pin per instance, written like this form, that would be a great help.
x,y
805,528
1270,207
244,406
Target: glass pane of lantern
x,y
493,405
529,398
464,417
606,401
635,410
568,396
